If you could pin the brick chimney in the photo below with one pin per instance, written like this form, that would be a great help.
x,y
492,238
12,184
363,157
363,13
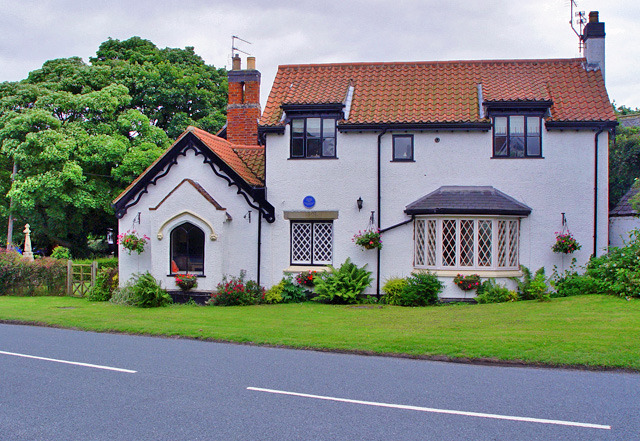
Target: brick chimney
x,y
593,38
243,110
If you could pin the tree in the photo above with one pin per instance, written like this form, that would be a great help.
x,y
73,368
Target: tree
x,y
174,88
624,162
80,133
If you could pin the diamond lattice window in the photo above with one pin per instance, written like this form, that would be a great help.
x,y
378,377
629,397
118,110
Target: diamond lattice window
x,y
484,243
467,243
311,243
449,242
432,236
419,238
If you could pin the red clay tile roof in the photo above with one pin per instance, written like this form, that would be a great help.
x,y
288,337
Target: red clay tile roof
x,y
441,92
246,161
227,152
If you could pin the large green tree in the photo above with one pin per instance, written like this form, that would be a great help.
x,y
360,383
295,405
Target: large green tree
x,y
79,133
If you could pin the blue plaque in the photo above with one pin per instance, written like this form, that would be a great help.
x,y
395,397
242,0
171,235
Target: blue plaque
x,y
309,201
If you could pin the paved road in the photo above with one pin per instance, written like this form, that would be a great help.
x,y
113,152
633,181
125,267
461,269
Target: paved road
x,y
170,389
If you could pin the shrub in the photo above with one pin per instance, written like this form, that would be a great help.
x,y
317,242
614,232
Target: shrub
x,y
491,292
61,252
393,290
234,291
422,289
532,288
618,272
18,276
103,262
143,290
274,294
292,292
106,283
342,285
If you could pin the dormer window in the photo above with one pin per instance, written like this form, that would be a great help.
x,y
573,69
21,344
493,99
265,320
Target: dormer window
x,y
517,136
313,137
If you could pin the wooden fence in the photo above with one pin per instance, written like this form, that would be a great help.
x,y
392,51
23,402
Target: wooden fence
x,y
80,277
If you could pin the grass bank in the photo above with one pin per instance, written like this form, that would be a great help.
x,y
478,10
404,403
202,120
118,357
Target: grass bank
x,y
593,331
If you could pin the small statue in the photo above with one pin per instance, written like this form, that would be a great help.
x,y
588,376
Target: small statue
x,y
28,252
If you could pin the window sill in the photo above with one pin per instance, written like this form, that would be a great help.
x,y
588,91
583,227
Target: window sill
x,y
300,268
403,160
199,276
517,157
467,272
312,158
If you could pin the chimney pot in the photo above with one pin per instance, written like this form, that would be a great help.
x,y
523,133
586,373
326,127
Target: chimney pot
x,y
237,63
593,17
251,63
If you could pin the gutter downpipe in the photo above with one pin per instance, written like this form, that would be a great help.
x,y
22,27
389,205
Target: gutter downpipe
x,y
379,208
259,244
595,192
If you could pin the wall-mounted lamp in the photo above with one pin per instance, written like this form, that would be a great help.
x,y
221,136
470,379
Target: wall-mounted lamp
x,y
359,202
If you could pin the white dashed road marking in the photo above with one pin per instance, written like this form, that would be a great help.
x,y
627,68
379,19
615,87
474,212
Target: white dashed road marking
x,y
95,366
432,410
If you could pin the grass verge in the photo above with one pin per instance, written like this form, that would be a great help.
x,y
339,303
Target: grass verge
x,y
588,331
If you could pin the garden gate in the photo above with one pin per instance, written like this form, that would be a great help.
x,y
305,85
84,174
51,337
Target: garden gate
x,y
80,277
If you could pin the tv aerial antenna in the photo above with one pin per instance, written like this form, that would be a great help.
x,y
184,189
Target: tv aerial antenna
x,y
580,21
234,49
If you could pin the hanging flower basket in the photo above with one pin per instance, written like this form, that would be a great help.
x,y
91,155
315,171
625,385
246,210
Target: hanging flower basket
x,y
186,281
565,243
130,241
467,283
368,239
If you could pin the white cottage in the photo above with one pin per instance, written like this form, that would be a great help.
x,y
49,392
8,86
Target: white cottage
x,y
465,167
623,219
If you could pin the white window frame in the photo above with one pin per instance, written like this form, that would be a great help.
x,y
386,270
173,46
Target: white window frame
x,y
425,227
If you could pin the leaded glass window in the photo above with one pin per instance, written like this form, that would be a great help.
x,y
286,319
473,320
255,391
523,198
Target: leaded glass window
x,y
311,242
467,243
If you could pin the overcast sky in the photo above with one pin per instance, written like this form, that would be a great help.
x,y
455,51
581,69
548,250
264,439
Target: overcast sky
x,y
323,31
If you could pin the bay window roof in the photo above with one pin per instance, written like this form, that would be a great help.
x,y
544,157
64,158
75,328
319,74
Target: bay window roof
x,y
477,200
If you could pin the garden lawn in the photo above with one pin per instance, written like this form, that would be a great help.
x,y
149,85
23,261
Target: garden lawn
x,y
594,331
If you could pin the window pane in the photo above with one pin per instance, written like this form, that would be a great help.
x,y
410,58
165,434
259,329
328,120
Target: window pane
x,y
420,239
187,249
313,147
323,242
502,243
297,147
516,146
402,147
533,125
313,127
449,242
432,237
484,243
329,127
516,125
195,239
466,242
300,242
533,145
500,146
513,243
329,147
297,127
500,125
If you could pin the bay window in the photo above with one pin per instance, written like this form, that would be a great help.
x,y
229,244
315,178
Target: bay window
x,y
467,243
